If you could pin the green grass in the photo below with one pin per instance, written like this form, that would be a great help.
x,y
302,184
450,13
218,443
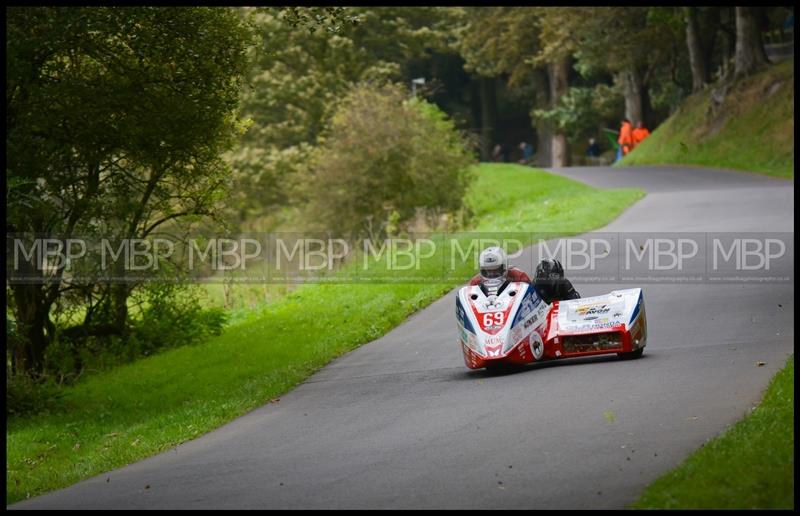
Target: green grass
x,y
119,416
750,466
753,130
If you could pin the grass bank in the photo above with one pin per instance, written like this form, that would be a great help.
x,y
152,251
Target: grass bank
x,y
753,129
137,410
750,466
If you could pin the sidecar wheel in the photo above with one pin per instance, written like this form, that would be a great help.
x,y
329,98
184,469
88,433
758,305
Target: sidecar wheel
x,y
631,355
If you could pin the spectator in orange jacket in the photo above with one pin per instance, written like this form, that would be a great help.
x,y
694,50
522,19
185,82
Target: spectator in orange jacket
x,y
639,134
625,136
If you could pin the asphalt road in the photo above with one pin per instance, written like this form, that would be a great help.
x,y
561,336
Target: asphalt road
x,y
401,422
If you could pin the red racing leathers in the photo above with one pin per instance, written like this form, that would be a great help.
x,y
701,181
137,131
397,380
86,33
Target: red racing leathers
x,y
514,274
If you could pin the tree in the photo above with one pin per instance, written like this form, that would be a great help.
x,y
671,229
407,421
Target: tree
x,y
116,120
750,56
502,41
697,57
297,80
630,42
384,157
559,85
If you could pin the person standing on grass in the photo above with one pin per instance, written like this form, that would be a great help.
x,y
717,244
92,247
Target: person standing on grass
x,y
527,153
639,134
625,139
497,153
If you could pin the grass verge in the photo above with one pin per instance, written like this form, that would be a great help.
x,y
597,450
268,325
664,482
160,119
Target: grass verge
x,y
750,466
752,130
137,410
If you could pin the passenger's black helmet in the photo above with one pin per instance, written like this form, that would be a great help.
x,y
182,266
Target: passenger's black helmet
x,y
549,271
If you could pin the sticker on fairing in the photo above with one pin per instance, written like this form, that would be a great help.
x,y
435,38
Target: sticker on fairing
x,y
537,346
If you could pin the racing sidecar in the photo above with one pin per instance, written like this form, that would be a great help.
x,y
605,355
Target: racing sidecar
x,y
515,326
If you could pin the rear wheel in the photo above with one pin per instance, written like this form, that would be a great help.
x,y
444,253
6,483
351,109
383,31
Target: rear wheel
x,y
632,354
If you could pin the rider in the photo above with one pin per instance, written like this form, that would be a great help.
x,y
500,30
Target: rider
x,y
495,272
549,280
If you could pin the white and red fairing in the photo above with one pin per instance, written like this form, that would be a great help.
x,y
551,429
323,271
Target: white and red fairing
x,y
518,327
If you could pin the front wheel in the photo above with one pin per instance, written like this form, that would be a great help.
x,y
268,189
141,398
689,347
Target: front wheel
x,y
631,355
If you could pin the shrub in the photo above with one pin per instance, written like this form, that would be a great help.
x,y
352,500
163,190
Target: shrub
x,y
384,156
167,316
26,396
171,317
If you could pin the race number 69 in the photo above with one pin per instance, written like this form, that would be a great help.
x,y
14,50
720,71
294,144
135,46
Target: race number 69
x,y
494,318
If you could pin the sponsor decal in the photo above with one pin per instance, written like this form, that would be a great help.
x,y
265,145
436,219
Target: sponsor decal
x,y
526,307
492,341
593,309
537,346
608,324
493,351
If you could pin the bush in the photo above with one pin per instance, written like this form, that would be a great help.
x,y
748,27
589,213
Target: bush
x,y
171,317
384,156
25,396
168,316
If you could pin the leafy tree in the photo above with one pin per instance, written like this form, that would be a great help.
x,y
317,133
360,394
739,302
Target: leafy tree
x,y
299,76
384,156
575,112
502,41
630,42
116,120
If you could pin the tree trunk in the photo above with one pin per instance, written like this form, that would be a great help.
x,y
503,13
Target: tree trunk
x,y
559,82
632,90
32,312
488,116
119,295
544,129
475,110
750,55
648,113
544,142
696,54
727,27
708,25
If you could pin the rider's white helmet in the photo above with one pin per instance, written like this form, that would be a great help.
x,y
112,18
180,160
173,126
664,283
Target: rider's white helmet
x,y
494,267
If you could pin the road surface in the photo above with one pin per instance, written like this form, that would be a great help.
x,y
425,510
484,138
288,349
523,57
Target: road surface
x,y
402,423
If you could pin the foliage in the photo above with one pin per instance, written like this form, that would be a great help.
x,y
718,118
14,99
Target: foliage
x,y
167,316
382,154
173,316
26,397
80,140
575,112
296,81
498,40
330,19
116,120
610,38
